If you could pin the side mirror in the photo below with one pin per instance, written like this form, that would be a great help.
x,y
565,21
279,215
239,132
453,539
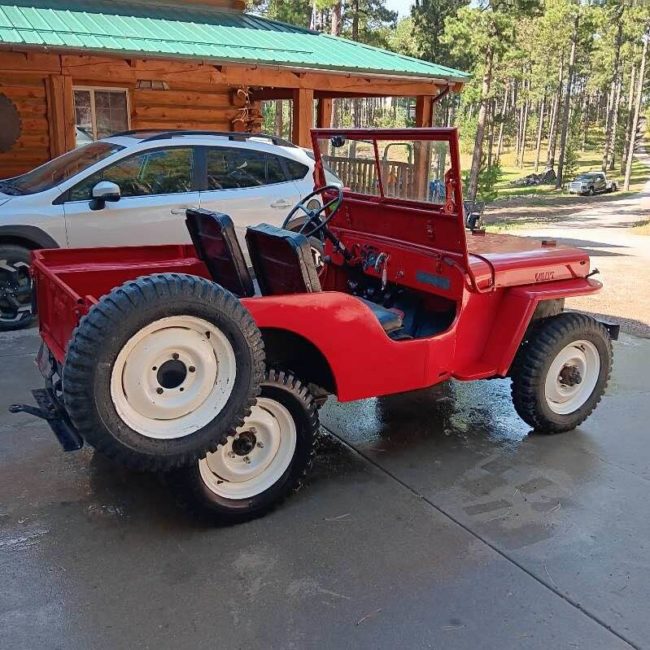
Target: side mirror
x,y
102,192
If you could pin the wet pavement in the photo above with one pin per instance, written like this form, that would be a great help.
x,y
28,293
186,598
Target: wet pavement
x,y
432,520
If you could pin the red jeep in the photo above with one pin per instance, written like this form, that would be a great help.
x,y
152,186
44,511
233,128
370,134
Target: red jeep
x,y
174,358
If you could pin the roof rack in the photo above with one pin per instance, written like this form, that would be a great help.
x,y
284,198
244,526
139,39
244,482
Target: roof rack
x,y
235,136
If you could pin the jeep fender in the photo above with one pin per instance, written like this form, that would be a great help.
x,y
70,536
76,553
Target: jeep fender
x,y
516,313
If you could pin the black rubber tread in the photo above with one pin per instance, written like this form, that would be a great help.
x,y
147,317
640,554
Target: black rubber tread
x,y
17,254
545,340
195,497
109,324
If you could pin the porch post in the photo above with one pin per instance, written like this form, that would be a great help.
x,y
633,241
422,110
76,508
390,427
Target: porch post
x,y
324,113
422,154
60,114
303,116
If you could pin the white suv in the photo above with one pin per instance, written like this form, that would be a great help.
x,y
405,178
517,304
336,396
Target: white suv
x,y
133,188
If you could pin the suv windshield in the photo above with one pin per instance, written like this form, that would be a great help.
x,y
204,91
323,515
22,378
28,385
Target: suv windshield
x,y
60,169
587,177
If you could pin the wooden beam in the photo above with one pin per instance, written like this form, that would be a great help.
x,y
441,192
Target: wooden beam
x,y
303,116
422,153
60,114
424,110
324,113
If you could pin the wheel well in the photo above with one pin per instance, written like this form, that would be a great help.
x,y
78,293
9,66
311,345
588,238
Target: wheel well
x,y
289,351
19,241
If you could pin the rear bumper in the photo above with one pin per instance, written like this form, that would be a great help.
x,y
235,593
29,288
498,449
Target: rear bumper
x,y
49,406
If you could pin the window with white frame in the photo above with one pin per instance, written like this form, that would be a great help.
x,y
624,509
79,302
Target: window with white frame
x,y
100,112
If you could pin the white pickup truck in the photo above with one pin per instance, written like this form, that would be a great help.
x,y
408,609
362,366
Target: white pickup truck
x,y
591,183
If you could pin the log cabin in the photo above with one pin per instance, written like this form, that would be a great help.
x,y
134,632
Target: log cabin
x,y
72,71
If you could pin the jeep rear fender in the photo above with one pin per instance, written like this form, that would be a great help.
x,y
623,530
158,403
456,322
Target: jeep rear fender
x,y
515,314
363,360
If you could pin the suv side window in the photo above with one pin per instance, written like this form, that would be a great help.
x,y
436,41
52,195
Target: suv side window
x,y
159,171
234,168
297,171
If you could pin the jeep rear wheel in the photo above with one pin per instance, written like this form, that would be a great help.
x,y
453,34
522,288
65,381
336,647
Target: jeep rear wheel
x,y
561,372
162,370
267,458
15,288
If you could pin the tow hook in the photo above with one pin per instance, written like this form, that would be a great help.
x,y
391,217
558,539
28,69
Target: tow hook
x,y
59,422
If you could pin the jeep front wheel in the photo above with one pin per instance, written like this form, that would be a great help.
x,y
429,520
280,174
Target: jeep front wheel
x,y
561,372
257,468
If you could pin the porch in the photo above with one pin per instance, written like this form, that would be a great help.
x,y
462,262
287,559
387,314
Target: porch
x,y
73,70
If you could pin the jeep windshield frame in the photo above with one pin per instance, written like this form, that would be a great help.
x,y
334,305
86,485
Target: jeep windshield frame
x,y
419,180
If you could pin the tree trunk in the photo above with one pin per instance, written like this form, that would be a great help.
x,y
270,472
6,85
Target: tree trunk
x,y
617,111
612,114
493,110
524,127
355,20
540,128
630,116
502,119
555,113
480,128
278,118
635,119
336,19
567,104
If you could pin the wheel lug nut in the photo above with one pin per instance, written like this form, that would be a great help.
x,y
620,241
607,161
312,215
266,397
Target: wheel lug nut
x,y
260,445
175,356
231,454
247,460
159,391
192,369
253,430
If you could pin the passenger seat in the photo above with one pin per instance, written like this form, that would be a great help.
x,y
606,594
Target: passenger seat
x,y
284,264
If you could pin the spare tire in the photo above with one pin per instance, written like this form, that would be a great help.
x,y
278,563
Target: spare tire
x,y
162,370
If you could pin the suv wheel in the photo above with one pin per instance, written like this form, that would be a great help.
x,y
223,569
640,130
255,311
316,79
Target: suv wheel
x,y
16,309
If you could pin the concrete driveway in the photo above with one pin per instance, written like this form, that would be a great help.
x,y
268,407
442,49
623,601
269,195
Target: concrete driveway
x,y
433,520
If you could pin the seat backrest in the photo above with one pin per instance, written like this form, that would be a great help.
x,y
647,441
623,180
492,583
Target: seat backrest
x,y
215,241
282,260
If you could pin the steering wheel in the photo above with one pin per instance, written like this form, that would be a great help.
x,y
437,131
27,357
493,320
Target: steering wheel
x,y
314,223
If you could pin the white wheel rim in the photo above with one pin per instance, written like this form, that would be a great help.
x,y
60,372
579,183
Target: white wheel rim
x,y
154,395
242,471
572,377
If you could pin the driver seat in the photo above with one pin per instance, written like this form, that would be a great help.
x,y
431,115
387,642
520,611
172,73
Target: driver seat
x,y
284,264
215,241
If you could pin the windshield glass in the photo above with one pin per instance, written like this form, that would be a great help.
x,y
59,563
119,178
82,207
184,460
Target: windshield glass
x,y
414,170
586,177
60,169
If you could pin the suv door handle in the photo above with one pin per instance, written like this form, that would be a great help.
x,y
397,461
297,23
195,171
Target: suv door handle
x,y
281,203
182,210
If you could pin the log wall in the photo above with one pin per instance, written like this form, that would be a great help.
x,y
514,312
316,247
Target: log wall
x,y
197,95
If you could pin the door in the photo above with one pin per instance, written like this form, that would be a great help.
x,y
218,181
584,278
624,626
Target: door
x,y
156,187
601,183
248,185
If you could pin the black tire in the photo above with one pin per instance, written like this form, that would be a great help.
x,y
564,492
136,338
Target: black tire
x,y
107,328
196,496
534,360
16,310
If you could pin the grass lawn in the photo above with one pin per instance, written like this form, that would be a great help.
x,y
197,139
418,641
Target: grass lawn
x,y
587,161
642,229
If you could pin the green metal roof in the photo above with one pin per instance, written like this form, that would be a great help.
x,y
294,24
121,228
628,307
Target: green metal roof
x,y
196,32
